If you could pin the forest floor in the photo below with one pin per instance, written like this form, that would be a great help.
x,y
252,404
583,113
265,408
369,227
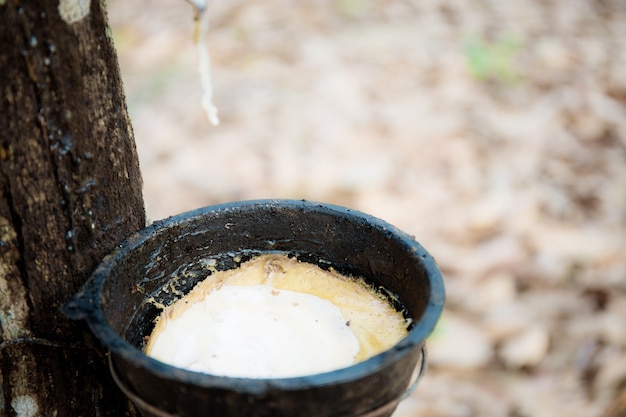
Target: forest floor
x,y
495,132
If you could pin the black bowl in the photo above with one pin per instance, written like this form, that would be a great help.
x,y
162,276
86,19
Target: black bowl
x,y
156,265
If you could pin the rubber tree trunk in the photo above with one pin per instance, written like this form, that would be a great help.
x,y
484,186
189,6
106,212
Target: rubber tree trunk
x,y
70,190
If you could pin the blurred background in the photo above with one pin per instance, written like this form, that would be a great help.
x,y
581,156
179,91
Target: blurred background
x,y
495,132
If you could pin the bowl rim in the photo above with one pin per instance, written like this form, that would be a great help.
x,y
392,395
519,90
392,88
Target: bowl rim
x,y
88,305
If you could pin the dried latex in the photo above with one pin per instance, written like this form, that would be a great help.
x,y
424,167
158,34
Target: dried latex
x,y
275,317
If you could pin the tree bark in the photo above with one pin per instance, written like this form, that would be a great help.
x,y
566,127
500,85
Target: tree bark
x,y
70,191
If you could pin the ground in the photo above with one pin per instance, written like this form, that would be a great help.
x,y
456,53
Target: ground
x,y
495,132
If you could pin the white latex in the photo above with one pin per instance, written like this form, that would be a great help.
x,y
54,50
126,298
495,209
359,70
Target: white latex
x,y
257,331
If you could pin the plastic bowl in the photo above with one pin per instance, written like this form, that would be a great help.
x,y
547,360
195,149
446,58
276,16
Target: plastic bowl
x,y
158,264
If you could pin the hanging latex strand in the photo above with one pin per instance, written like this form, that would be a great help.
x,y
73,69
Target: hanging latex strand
x,y
204,59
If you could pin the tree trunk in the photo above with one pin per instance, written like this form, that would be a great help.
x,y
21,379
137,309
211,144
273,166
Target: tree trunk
x,y
70,191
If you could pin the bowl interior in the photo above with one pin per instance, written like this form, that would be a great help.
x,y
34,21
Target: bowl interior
x,y
183,252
